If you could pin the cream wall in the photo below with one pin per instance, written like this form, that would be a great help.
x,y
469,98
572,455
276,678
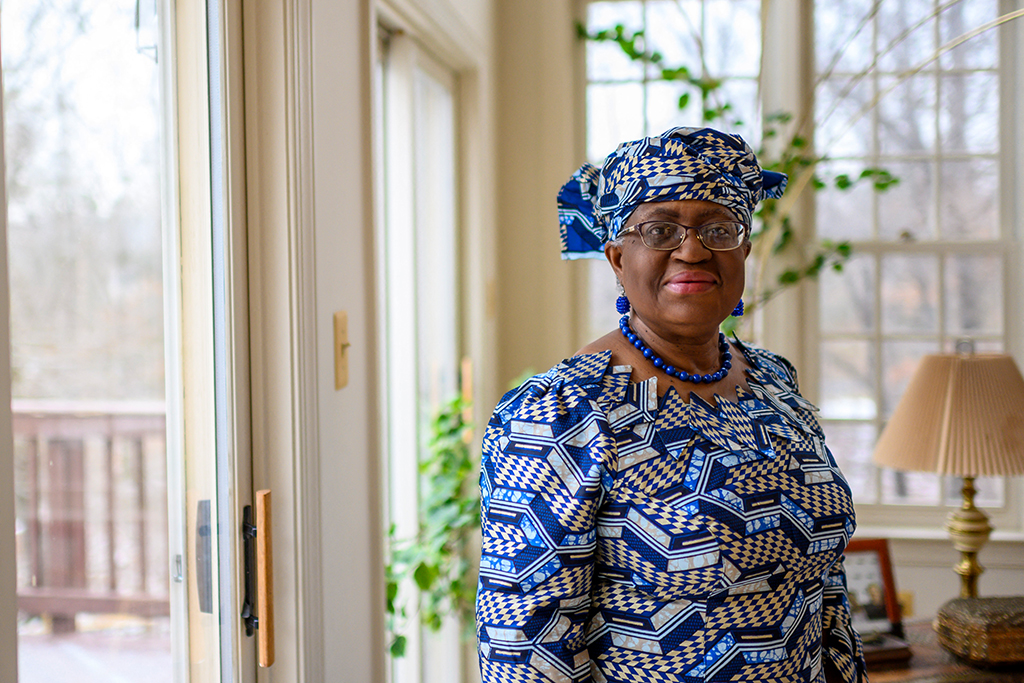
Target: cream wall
x,y
460,34
540,144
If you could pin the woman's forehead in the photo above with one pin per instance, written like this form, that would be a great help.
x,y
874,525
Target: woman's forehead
x,y
688,209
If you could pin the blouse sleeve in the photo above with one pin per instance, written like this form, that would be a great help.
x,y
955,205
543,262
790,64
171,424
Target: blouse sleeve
x,y
547,460
841,644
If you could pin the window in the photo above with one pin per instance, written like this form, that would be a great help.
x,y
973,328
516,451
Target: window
x,y
418,291
932,256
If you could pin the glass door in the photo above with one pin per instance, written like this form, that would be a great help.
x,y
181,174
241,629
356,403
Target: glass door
x,y
131,464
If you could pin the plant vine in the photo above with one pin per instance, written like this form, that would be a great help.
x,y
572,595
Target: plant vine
x,y
449,514
794,157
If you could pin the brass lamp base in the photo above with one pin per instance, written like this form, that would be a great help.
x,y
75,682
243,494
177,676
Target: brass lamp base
x,y
969,528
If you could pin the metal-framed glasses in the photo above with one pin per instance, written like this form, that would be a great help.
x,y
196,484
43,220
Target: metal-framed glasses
x,y
667,236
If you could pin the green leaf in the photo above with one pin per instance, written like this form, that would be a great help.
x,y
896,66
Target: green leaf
x,y
398,646
677,74
425,575
789,277
843,182
684,100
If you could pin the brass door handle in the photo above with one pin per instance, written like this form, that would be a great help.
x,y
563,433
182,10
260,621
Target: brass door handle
x,y
265,578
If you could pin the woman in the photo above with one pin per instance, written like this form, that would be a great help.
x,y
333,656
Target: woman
x,y
661,506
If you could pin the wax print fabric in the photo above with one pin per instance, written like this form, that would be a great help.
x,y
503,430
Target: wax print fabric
x,y
632,538
682,163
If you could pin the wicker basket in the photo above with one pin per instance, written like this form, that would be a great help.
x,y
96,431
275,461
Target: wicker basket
x,y
983,630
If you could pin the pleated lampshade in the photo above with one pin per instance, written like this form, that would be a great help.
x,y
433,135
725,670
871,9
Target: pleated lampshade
x,y
961,415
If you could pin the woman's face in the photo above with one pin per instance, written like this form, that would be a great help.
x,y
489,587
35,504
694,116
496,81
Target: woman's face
x,y
688,290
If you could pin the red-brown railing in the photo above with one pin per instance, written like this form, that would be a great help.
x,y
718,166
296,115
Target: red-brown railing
x,y
91,486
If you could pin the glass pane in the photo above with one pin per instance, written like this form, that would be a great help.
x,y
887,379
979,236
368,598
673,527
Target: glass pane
x,y
847,380
906,211
606,60
843,118
979,52
743,117
663,110
989,491
732,37
899,360
843,214
969,194
615,114
910,293
852,443
974,295
842,36
83,184
969,115
906,116
847,300
903,40
435,220
910,488
673,29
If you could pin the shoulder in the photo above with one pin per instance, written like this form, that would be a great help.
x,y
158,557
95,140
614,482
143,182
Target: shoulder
x,y
771,363
573,385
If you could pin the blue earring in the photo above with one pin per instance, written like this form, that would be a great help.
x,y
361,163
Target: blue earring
x,y
738,311
622,305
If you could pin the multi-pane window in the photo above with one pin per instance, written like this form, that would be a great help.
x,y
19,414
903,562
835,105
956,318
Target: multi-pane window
x,y
929,255
628,99
895,88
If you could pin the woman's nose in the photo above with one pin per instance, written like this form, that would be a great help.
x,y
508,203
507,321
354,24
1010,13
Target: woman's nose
x,y
691,249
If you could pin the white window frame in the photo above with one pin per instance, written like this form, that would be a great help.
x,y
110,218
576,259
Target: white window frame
x,y
927,521
789,324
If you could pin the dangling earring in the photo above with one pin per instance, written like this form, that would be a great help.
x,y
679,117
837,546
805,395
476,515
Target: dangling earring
x,y
738,311
622,304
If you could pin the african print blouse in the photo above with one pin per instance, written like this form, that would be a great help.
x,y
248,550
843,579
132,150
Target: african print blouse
x,y
628,537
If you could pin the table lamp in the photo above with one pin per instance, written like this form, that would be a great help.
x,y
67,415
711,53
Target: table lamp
x,y
963,415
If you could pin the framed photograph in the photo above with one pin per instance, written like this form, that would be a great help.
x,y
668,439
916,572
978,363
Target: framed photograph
x,y
871,588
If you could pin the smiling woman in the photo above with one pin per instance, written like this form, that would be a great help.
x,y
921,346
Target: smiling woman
x,y
650,506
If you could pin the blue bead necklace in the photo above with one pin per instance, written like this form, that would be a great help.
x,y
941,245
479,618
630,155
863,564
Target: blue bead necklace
x,y
659,363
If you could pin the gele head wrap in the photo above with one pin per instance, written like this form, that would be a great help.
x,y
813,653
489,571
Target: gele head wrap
x,y
682,163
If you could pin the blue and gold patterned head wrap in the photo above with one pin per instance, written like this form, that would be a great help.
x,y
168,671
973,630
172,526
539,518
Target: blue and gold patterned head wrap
x,y
682,163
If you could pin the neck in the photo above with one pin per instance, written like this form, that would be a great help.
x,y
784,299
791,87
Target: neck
x,y
695,353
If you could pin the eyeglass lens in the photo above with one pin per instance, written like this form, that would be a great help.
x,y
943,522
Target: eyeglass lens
x,y
716,236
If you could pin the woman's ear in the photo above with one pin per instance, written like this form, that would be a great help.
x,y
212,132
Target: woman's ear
x,y
613,253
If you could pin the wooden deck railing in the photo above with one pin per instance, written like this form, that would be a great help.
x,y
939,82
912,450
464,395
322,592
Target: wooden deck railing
x,y
91,488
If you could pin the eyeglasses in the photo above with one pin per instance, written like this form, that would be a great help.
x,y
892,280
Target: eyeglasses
x,y
667,236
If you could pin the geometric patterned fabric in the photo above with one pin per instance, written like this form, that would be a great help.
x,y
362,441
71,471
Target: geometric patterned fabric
x,y
681,163
633,538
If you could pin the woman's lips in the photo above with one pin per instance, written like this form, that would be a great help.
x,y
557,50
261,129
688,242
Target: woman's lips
x,y
691,283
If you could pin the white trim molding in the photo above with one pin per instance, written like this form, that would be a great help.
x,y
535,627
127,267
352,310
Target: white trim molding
x,y
282,309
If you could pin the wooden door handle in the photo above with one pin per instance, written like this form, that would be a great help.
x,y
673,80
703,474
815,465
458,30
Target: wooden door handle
x,y
264,578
